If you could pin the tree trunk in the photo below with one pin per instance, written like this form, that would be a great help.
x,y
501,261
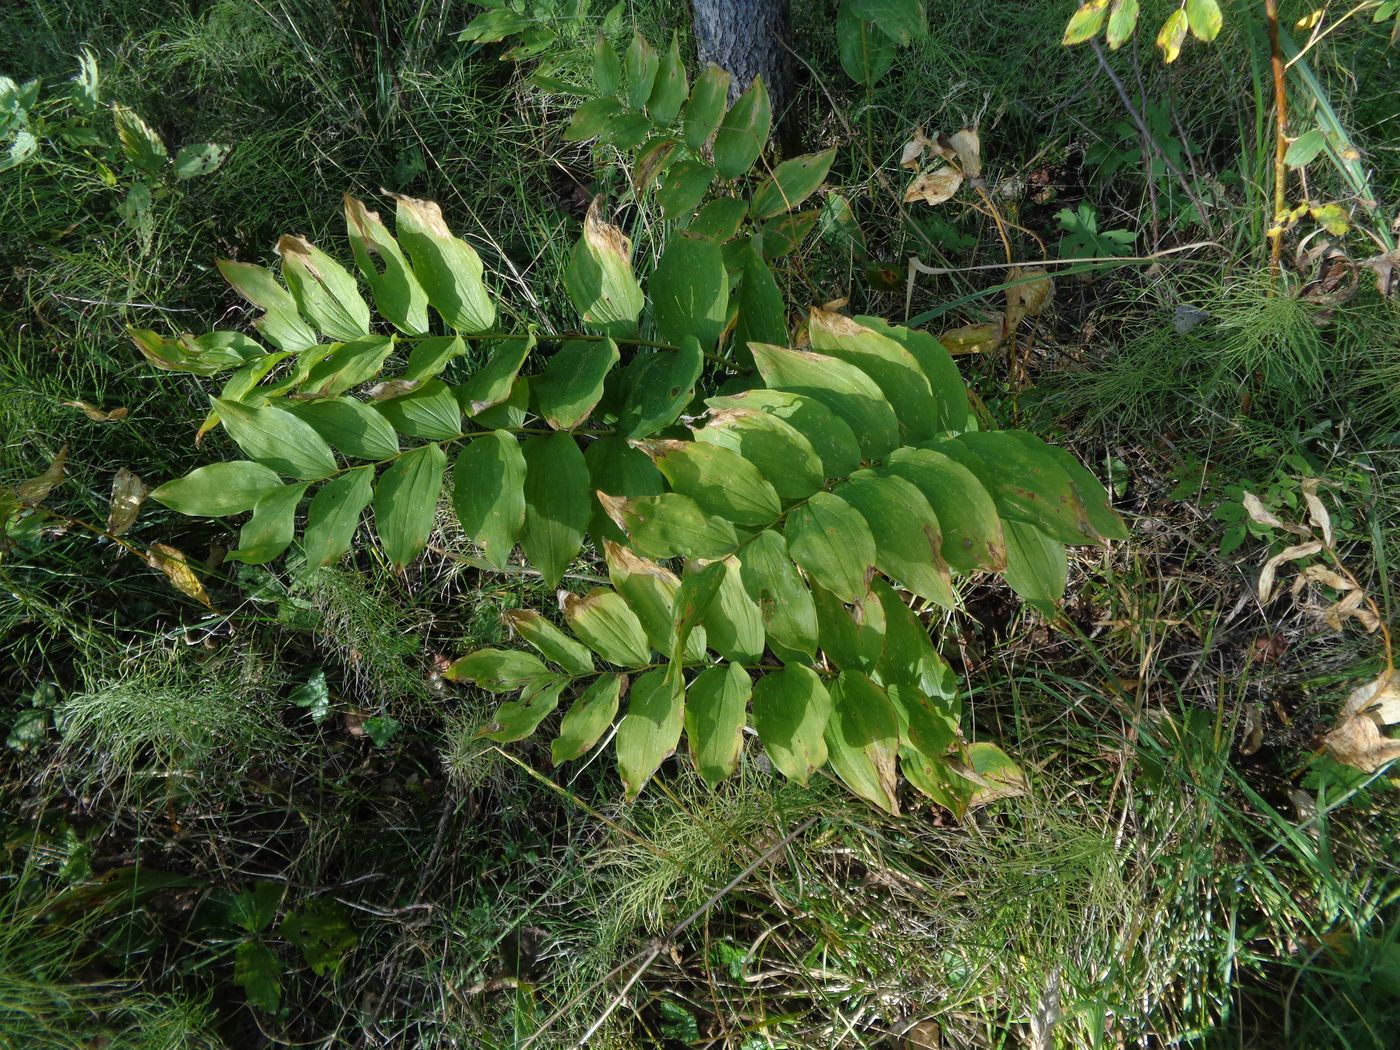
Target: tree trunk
x,y
748,38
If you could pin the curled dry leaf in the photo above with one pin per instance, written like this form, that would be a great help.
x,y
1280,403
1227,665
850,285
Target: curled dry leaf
x,y
1294,553
1030,292
36,489
1317,512
172,562
1384,267
1264,516
393,388
972,339
1323,575
96,414
934,187
1357,740
912,155
967,147
1350,608
128,492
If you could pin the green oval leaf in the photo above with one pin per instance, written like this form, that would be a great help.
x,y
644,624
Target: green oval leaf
x,y
488,493
599,279
269,531
744,131
651,729
640,66
447,267
219,489
705,109
274,437
351,426
790,712
690,291
397,294
670,526
1036,566
791,183
908,541
843,388
784,603
972,533
830,437
715,711
325,292
670,87
588,719
605,623
720,481
777,449
430,411
551,643
894,369
862,739
733,623
829,539
334,515
497,670
558,504
517,719
571,385
405,502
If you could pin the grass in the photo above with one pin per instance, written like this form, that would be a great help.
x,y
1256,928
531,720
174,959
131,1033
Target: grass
x,y
1156,885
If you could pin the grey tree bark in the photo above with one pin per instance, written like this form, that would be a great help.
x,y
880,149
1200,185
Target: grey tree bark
x,y
747,38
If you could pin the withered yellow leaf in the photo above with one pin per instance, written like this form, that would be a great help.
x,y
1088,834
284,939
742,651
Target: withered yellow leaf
x,y
172,562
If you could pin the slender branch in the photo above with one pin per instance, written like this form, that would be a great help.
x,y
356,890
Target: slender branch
x,y
1280,138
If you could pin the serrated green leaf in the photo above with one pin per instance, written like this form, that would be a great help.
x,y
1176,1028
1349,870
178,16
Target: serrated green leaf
x,y
967,516
219,489
350,426
280,323
790,712
720,481
397,294
689,291
670,87
446,266
862,739
682,188
852,637
517,719
558,504
199,159
606,624
715,710
430,410
828,434
599,279
894,369
405,502
658,386
651,729
670,526
744,131
276,438
830,540
791,183
269,531
938,366
493,382
325,293
784,603
776,448
588,719
334,515
139,141
908,540
1036,566
551,643
843,388
488,493
498,670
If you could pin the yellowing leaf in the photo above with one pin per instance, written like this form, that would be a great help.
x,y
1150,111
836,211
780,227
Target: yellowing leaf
x,y
972,339
1204,18
1172,35
1266,576
1030,292
172,562
1317,512
128,492
934,187
1086,22
96,414
967,145
1264,516
35,490
1331,217
1122,22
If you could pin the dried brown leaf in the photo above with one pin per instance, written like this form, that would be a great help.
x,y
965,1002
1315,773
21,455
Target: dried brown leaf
x,y
1378,699
1266,575
1264,516
36,489
934,187
128,492
172,562
1385,267
96,414
1028,298
1358,742
912,155
1317,512
967,144
392,388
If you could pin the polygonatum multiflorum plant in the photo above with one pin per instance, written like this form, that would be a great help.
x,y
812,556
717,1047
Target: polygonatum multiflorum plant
x,y
769,507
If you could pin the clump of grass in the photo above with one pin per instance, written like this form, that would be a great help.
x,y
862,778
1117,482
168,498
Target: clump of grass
x,y
170,723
